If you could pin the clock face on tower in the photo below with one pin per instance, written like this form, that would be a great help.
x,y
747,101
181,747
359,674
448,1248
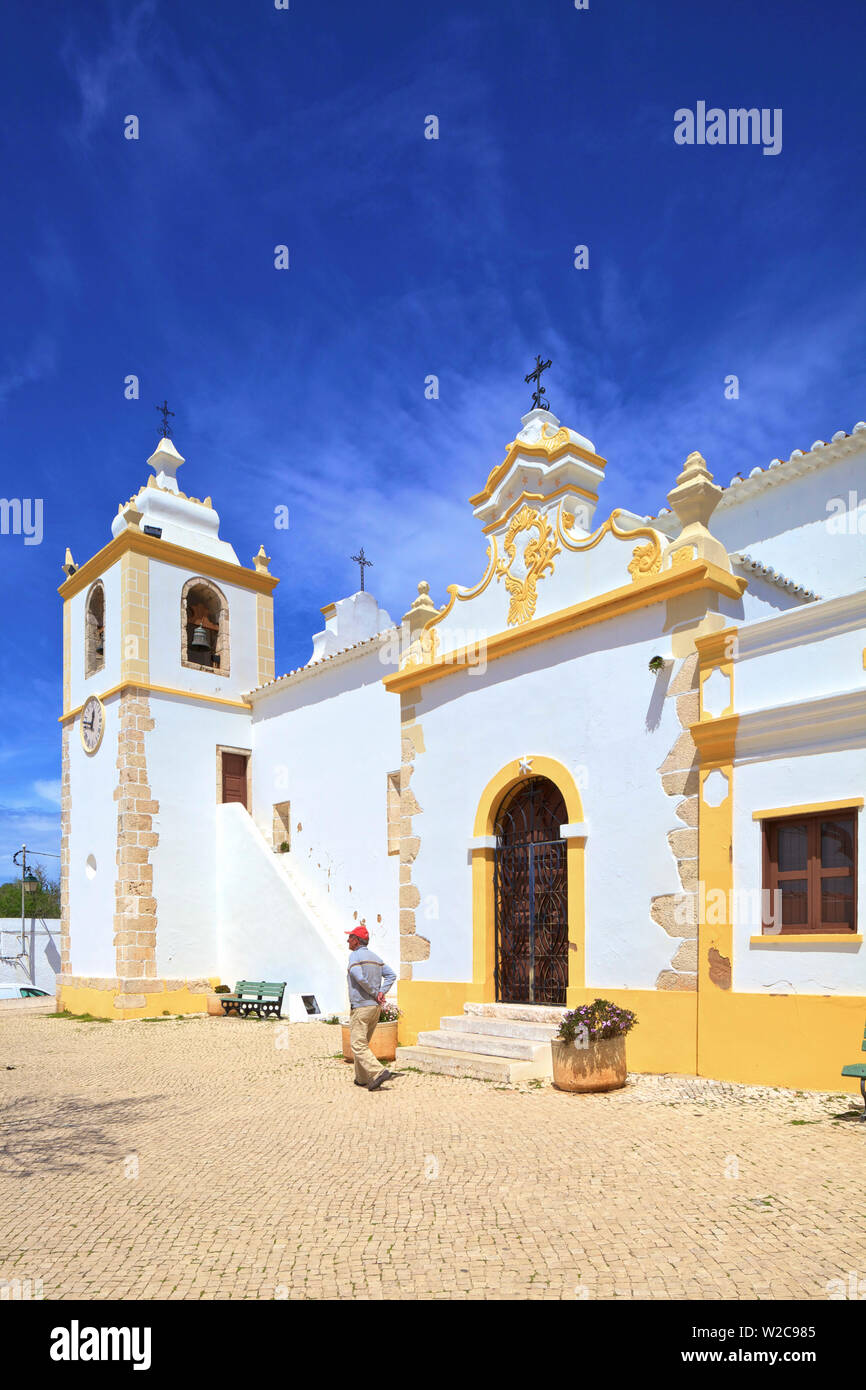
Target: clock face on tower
x,y
92,724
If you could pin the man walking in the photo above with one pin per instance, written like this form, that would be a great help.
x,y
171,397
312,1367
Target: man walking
x,y
369,981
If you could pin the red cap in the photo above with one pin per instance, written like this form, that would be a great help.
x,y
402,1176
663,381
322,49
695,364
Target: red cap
x,y
361,933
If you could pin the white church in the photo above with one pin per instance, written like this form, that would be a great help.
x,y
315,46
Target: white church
x,y
625,757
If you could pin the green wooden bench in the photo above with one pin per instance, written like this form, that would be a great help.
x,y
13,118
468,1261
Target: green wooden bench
x,y
859,1069
261,997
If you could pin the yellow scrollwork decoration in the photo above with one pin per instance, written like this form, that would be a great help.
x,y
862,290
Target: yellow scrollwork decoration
x,y
646,560
538,556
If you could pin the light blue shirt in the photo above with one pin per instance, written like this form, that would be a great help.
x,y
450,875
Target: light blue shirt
x,y
368,976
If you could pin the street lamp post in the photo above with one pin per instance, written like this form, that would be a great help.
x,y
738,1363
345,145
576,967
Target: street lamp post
x,y
29,884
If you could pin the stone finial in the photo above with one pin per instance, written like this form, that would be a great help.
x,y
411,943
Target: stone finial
x,y
261,560
132,516
69,564
421,611
165,461
694,499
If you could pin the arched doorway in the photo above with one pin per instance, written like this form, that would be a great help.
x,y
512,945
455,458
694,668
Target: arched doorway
x,y
530,879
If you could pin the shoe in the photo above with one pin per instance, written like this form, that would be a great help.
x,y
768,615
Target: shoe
x,y
377,1080
361,1083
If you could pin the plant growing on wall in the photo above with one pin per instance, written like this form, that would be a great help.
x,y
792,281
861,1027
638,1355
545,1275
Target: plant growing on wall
x,y
656,663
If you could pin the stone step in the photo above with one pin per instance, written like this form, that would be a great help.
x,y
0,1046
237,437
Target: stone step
x,y
499,1027
518,1049
521,1013
480,1066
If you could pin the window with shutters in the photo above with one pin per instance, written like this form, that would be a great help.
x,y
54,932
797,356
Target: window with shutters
x,y
811,863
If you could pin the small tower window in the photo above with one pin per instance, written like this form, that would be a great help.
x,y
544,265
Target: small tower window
x,y
204,627
94,630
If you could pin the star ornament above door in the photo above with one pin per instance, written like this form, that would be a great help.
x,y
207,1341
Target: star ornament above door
x,y
525,765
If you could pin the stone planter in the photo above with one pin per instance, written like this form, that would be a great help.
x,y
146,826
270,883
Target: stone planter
x,y
598,1067
214,1005
383,1043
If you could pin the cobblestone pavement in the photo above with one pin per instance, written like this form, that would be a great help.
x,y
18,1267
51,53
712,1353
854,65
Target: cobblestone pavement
x,y
211,1158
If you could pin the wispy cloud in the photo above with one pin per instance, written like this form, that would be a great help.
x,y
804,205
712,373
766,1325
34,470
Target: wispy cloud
x,y
49,791
98,70
33,365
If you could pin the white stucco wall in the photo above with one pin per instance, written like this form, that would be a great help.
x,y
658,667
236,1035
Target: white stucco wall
x,y
788,525
182,768
813,652
166,584
109,674
325,743
32,958
587,700
779,783
93,832
266,931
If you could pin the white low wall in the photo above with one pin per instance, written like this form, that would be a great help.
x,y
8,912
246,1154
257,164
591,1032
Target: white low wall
x,y
34,959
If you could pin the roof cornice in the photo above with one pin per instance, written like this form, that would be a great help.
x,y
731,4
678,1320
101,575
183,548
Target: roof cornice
x,y
155,548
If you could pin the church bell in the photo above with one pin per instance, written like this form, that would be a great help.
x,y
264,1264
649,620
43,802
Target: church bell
x,y
200,639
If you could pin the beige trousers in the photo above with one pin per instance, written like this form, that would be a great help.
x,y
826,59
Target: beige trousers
x,y
361,1025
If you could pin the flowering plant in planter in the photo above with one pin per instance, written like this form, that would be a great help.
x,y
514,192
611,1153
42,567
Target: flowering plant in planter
x,y
390,1013
600,1019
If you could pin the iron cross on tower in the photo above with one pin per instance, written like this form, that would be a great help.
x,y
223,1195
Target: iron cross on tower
x,y
537,402
360,559
165,412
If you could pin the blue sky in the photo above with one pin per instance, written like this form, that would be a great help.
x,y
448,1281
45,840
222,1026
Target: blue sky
x,y
408,257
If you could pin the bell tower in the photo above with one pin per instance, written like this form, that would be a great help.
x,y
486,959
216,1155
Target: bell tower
x,y
164,633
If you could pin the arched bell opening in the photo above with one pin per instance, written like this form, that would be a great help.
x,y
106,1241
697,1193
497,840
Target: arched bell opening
x,y
94,630
204,627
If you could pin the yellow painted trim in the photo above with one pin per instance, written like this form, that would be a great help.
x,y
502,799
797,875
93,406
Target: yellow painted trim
x,y
538,451
701,574
714,648
83,999
537,497
67,655
761,1044
158,690
663,1041
809,808
725,665
811,938
454,589
619,532
155,548
716,739
797,1040
134,617
483,926
328,611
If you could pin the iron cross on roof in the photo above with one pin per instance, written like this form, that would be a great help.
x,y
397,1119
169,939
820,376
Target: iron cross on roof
x,y
165,412
360,559
537,402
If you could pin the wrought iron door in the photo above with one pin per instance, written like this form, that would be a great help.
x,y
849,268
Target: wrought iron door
x,y
531,895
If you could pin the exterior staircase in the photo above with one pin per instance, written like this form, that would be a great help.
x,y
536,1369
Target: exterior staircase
x,y
491,1042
